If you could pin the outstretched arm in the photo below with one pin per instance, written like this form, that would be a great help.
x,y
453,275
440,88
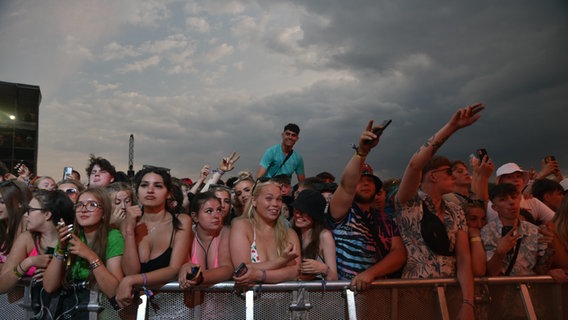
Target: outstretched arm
x,y
413,173
227,164
343,197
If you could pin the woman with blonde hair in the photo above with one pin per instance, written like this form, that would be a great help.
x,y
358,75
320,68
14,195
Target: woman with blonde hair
x,y
262,241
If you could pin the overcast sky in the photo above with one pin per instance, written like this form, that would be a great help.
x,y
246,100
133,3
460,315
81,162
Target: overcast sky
x,y
196,80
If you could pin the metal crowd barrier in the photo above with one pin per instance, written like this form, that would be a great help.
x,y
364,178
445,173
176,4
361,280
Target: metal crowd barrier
x,y
535,297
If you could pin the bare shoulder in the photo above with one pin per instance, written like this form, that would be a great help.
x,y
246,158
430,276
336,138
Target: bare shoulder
x,y
326,236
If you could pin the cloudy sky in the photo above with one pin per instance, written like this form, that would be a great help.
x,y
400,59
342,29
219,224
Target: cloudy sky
x,y
196,80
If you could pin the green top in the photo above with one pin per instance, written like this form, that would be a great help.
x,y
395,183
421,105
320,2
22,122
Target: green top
x,y
115,247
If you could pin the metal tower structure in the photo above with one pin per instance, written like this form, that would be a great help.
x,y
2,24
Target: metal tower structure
x,y
131,157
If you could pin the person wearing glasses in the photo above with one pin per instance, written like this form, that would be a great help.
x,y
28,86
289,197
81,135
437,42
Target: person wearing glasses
x,y
71,187
157,240
33,249
434,231
92,250
262,240
12,195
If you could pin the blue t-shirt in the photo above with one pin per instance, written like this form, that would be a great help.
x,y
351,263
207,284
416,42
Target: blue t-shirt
x,y
361,240
273,157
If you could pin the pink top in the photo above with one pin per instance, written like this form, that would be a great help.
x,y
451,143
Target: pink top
x,y
195,258
33,253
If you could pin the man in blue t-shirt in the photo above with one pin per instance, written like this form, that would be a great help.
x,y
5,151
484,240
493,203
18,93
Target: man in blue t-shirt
x,y
281,158
368,243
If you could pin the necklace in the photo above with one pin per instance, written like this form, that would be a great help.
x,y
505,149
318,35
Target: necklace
x,y
206,251
157,225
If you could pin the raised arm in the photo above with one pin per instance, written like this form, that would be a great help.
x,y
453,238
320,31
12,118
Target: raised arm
x,y
202,176
413,173
227,164
343,197
130,261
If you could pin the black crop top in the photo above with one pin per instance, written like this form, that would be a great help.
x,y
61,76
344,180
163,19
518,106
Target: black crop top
x,y
160,261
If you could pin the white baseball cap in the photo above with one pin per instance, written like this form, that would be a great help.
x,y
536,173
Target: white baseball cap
x,y
509,168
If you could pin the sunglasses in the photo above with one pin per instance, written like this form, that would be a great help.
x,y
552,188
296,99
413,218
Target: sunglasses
x,y
447,170
70,191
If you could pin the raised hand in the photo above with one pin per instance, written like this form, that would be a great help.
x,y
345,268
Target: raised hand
x,y
466,116
228,163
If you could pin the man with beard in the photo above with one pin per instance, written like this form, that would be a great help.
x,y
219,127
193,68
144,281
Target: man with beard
x,y
281,158
368,244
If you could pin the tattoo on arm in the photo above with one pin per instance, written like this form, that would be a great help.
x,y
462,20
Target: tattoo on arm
x,y
436,144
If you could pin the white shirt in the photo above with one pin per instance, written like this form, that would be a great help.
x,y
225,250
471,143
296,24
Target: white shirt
x,y
540,212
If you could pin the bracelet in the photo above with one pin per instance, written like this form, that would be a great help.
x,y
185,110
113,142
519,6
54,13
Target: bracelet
x,y
18,274
20,266
263,279
221,172
144,279
468,302
324,275
60,256
147,291
357,153
95,264
475,239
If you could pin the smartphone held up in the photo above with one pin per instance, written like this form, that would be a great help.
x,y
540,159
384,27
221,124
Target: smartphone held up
x,y
378,131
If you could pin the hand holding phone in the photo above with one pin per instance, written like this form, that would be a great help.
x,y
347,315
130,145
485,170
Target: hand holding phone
x,y
240,270
195,270
480,153
378,131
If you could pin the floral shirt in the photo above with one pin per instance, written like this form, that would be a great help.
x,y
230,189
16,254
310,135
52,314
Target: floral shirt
x,y
421,261
532,246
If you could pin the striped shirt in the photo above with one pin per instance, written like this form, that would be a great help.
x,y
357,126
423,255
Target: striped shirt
x,y
361,240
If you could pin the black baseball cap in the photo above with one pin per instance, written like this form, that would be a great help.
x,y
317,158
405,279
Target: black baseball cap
x,y
311,202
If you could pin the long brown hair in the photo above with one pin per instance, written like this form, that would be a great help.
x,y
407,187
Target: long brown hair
x,y
15,195
560,221
99,245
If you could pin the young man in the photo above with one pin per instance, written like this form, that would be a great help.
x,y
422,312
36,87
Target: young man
x,y
420,209
513,174
368,244
100,171
281,158
549,192
512,246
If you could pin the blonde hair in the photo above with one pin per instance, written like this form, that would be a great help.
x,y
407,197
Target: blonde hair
x,y
560,221
280,229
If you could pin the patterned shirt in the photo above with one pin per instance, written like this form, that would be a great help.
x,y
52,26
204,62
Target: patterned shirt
x,y
532,246
361,240
421,261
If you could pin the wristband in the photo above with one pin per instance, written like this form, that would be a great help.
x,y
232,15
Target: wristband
x,y
324,275
221,172
95,264
469,302
475,239
17,273
60,256
263,279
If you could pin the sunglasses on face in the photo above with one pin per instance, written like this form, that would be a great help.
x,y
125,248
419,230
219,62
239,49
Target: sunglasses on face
x,y
447,170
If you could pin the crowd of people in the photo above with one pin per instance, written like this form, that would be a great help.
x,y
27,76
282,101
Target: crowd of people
x,y
129,235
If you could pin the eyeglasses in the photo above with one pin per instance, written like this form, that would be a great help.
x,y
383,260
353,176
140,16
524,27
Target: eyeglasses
x,y
90,205
447,170
30,209
70,191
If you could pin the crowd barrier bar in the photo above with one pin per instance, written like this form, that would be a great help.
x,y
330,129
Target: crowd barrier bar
x,y
348,304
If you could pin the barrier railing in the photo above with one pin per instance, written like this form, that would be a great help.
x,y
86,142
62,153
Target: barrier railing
x,y
537,297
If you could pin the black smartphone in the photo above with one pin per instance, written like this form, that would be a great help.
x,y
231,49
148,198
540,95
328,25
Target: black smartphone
x,y
240,270
480,153
113,303
67,171
506,230
49,250
378,131
194,272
